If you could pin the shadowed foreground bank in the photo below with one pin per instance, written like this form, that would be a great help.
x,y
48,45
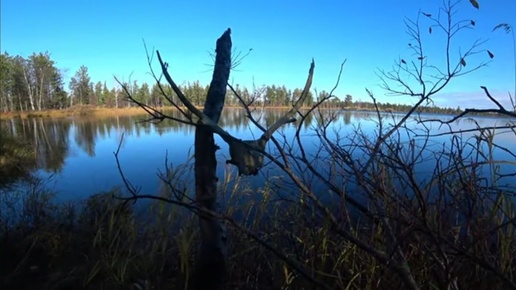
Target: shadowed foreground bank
x,y
103,244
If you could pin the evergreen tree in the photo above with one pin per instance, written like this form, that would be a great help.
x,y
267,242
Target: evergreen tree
x,y
80,87
348,101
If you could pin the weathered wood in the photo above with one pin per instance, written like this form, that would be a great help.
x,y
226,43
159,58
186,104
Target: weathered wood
x,y
247,155
211,262
217,91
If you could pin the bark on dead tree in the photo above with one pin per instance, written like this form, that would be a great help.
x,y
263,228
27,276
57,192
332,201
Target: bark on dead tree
x,y
247,155
211,262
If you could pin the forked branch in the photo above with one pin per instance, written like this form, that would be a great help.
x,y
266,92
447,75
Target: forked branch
x,y
501,110
287,118
247,155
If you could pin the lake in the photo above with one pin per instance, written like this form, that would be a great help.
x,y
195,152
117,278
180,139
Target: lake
x,y
75,155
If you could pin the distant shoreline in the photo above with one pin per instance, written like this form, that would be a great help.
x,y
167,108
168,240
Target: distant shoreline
x,y
99,112
92,111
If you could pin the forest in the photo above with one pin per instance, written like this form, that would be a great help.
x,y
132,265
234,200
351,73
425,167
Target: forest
x,y
36,83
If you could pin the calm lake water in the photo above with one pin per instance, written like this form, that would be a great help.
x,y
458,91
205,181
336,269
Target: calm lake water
x,y
75,155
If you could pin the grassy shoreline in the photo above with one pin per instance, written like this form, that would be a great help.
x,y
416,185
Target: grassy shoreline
x,y
91,111
76,111
99,112
100,243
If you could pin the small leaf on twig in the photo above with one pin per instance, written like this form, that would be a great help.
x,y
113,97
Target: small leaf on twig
x,y
430,29
473,22
474,3
427,14
462,62
505,26
491,55
420,58
410,44
403,61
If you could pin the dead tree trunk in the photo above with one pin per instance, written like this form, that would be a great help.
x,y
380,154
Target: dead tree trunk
x,y
247,155
211,262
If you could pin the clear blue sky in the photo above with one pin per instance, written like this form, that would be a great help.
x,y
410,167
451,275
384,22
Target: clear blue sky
x,y
106,36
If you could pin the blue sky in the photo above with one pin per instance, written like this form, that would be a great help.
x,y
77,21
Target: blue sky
x,y
106,36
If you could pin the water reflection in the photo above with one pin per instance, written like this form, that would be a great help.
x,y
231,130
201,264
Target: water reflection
x,y
79,151
49,138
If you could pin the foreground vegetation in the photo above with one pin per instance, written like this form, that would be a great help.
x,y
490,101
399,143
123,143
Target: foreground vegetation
x,y
104,243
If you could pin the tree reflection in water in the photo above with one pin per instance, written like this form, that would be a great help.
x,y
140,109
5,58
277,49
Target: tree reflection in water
x,y
79,150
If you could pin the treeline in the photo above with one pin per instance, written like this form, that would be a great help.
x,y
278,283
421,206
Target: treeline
x,y
35,83
32,83
368,106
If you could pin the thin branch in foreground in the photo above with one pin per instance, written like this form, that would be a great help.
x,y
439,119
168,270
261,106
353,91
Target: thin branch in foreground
x,y
156,115
150,58
500,111
195,208
455,132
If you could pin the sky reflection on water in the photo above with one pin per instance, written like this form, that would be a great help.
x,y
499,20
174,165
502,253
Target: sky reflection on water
x,y
75,155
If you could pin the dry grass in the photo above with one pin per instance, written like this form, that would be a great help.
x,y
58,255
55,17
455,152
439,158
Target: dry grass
x,y
102,244
99,112
82,111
